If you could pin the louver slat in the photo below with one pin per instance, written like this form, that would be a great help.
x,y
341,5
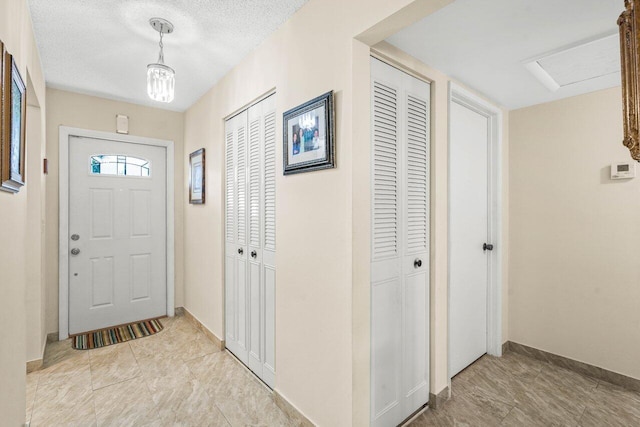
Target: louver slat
x,y
254,183
417,174
385,167
242,187
270,181
229,187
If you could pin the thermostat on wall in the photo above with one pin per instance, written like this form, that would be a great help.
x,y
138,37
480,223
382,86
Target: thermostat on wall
x,y
624,170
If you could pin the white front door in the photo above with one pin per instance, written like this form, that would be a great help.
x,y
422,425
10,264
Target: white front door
x,y
468,232
400,115
117,233
250,273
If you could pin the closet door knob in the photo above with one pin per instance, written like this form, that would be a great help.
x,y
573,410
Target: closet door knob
x,y
254,254
240,251
417,263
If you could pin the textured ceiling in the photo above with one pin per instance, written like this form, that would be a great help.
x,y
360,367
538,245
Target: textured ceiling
x,y
102,47
486,44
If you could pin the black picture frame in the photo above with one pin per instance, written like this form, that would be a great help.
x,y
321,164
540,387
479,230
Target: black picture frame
x,y
309,136
14,112
197,177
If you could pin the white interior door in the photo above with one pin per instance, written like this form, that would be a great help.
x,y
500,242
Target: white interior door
x,y
400,244
117,233
236,254
250,271
468,232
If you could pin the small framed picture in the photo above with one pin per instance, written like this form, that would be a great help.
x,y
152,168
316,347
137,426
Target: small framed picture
x,y
14,111
196,177
308,136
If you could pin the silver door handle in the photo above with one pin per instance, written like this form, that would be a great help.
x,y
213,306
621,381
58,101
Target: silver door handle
x,y
75,251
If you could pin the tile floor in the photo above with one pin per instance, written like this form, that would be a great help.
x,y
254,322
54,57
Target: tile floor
x,y
180,378
177,377
516,390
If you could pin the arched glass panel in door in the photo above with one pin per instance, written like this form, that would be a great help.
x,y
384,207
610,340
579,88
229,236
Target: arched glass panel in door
x,y
119,165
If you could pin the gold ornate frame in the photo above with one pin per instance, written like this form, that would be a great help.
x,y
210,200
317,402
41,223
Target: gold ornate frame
x,y
628,23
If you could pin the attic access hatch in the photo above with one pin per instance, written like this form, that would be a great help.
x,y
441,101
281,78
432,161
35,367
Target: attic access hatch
x,y
594,63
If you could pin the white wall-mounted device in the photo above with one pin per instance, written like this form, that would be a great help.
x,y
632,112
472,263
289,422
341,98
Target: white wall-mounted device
x,y
122,123
623,170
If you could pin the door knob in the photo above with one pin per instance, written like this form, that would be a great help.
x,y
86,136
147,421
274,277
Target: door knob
x,y
75,237
417,263
487,247
75,251
240,251
254,254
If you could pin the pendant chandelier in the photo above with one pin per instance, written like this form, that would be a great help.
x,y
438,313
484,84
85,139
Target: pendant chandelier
x,y
161,79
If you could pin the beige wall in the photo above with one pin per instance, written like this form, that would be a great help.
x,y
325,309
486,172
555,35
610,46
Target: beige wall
x,y
88,112
322,296
17,34
575,233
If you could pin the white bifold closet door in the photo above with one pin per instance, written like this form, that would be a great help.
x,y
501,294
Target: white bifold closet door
x,y
400,244
250,140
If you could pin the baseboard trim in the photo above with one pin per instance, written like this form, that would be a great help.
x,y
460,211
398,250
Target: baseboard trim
x,y
181,311
437,400
291,411
34,365
505,347
53,337
579,367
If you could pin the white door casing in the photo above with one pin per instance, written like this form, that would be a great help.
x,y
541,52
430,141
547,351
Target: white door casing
x,y
250,238
475,282
400,244
137,255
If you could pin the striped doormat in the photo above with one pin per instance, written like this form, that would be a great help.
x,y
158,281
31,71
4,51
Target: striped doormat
x,y
115,335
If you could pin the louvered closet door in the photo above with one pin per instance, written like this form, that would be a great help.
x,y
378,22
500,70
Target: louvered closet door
x,y
250,212
268,239
236,254
261,139
400,245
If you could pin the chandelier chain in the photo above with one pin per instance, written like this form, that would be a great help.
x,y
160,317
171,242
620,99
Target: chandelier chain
x,y
161,55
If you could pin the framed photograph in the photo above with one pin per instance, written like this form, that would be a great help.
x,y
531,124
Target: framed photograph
x,y
309,137
196,177
14,111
